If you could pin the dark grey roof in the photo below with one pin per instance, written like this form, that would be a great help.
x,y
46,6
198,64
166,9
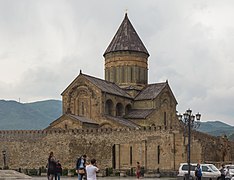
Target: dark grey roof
x,y
139,113
123,121
107,86
126,39
151,91
82,119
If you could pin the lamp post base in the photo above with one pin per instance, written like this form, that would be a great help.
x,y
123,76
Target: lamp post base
x,y
187,177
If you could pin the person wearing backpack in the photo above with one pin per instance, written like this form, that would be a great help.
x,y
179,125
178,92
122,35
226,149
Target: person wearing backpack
x,y
198,172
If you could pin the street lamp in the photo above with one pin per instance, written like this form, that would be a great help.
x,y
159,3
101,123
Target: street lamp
x,y
4,159
189,121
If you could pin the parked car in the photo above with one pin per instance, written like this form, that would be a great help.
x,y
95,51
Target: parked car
x,y
209,171
231,170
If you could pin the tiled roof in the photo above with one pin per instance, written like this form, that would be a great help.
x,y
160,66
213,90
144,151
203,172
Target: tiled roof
x,y
126,39
82,119
123,121
139,113
151,91
107,86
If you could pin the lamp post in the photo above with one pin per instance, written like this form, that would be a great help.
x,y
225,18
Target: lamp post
x,y
189,121
4,159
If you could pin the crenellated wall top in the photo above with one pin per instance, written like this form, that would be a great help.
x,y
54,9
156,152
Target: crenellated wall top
x,y
76,131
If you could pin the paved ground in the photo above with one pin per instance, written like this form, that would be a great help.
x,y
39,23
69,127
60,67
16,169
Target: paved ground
x,y
106,178
14,175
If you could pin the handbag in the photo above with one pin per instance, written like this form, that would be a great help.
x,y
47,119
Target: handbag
x,y
81,171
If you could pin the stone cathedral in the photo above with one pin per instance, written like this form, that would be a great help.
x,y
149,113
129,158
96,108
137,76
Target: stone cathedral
x,y
118,121
124,98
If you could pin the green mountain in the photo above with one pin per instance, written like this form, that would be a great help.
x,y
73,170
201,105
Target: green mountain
x,y
217,128
38,115
24,116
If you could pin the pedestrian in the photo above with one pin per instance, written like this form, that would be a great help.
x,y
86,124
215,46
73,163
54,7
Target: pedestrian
x,y
51,166
138,170
222,171
227,174
91,170
80,166
58,170
198,172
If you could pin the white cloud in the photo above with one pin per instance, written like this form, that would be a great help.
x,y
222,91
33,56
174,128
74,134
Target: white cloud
x,y
44,44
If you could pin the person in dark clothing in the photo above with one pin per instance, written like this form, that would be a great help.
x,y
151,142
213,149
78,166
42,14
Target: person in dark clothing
x,y
198,172
58,172
222,171
51,166
80,166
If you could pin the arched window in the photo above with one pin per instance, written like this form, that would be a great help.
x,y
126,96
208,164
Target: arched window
x,y
128,108
119,109
109,107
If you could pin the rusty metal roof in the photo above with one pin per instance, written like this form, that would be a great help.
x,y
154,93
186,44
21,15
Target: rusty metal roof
x,y
151,91
139,113
126,39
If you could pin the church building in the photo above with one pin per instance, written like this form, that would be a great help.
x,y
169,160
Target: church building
x,y
119,120
124,98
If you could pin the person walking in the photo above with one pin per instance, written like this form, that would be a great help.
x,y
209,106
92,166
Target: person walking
x,y
80,166
227,174
59,170
91,170
198,172
51,166
138,170
222,171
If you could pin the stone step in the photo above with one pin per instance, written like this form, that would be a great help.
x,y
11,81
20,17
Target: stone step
x,y
11,174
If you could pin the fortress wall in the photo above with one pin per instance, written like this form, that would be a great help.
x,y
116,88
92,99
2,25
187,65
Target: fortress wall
x,y
30,149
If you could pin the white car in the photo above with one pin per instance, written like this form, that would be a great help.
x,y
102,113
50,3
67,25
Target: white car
x,y
231,170
209,171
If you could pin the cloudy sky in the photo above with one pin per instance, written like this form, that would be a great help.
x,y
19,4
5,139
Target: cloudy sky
x,y
44,44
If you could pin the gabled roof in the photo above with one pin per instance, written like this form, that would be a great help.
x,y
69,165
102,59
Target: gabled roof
x,y
105,86
126,39
139,113
76,118
82,119
151,91
123,121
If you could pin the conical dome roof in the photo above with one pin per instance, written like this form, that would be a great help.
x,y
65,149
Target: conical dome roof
x,y
126,39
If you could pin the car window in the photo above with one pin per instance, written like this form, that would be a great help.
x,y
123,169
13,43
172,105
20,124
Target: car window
x,y
205,168
211,166
193,168
185,167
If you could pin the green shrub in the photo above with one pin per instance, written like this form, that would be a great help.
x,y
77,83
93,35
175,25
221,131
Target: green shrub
x,y
65,172
33,172
109,171
42,169
72,172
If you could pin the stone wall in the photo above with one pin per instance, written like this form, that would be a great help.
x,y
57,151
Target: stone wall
x,y
153,147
